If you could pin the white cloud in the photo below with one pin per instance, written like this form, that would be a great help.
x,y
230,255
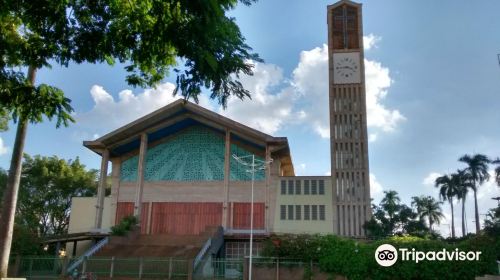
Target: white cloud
x,y
310,79
370,41
376,189
372,137
277,101
377,83
3,148
489,189
111,113
430,179
266,111
300,169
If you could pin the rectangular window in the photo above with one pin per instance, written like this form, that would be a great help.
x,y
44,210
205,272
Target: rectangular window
x,y
283,187
297,187
290,212
314,187
283,212
306,186
321,186
307,213
314,212
322,212
298,212
290,187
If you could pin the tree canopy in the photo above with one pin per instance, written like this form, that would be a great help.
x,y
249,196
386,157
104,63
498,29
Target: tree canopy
x,y
151,37
194,38
391,217
47,186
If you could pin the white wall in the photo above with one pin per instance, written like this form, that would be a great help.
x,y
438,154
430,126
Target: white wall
x,y
82,219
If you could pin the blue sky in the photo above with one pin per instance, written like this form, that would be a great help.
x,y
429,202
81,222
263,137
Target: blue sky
x,y
433,90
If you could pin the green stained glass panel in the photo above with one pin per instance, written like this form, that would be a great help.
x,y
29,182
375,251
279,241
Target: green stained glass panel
x,y
194,154
238,170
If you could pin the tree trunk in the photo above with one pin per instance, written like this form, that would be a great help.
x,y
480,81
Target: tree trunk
x,y
430,223
476,210
452,220
463,218
10,195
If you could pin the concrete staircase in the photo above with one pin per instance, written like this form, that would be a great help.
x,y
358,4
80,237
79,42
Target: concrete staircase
x,y
136,245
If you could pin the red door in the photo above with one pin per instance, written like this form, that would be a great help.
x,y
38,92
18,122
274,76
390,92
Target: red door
x,y
184,218
241,215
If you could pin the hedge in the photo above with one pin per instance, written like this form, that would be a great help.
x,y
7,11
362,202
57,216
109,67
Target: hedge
x,y
356,259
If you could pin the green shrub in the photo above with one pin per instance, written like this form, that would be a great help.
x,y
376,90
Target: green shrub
x,y
124,226
356,260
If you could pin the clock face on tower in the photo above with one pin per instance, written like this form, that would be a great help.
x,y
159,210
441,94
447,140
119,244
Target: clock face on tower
x,y
346,68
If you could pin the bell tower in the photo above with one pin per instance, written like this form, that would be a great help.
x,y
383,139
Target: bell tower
x,y
348,129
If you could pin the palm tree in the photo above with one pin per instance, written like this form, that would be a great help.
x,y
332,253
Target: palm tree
x,y
463,182
428,207
448,189
497,171
478,170
390,203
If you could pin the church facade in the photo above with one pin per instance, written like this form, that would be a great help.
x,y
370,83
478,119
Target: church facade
x,y
176,169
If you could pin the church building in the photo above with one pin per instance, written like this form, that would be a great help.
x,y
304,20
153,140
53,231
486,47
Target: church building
x,y
176,169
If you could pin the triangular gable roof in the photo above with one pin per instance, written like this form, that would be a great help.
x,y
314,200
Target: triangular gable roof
x,y
174,117
342,2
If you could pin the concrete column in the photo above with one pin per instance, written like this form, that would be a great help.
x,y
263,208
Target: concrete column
x,y
150,214
115,189
227,171
140,176
101,190
267,213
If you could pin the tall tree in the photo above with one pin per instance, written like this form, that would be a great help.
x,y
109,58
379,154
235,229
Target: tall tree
x,y
428,207
390,203
477,168
448,189
47,187
463,182
147,35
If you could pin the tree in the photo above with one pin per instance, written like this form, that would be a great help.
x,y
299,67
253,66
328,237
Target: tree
x,y
4,120
47,186
390,203
477,168
448,189
463,182
150,36
392,217
427,206
497,170
492,222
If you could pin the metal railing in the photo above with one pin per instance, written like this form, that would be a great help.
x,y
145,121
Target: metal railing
x,y
202,253
40,267
90,252
36,267
137,267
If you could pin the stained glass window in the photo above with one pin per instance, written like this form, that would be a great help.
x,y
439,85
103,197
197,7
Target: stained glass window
x,y
194,154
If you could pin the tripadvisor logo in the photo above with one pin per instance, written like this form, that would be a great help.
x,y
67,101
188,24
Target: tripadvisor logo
x,y
387,255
